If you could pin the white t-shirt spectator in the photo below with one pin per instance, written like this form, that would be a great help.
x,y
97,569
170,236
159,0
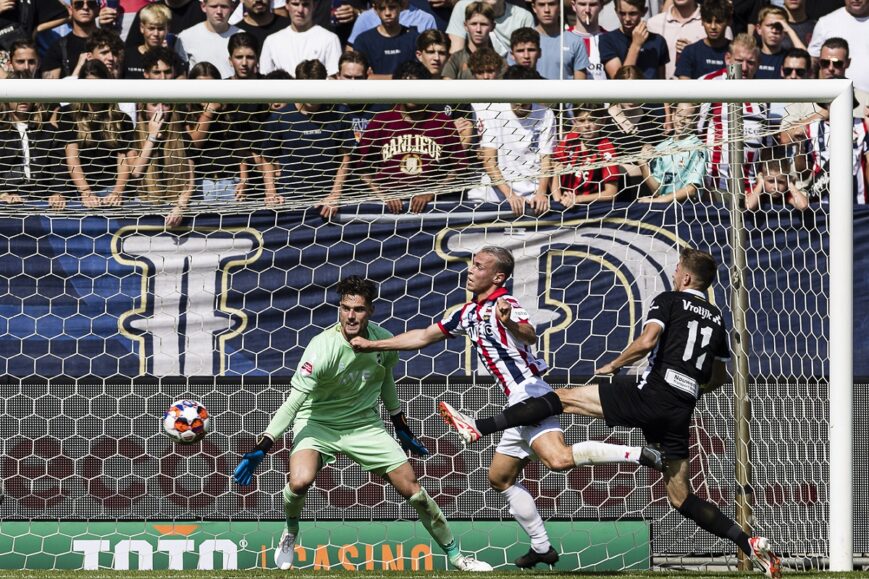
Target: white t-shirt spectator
x,y
855,31
287,48
512,19
520,142
199,44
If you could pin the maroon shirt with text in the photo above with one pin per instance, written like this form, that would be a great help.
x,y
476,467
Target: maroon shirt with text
x,y
401,153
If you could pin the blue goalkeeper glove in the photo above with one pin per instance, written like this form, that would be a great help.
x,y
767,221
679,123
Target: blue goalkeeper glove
x,y
243,473
409,442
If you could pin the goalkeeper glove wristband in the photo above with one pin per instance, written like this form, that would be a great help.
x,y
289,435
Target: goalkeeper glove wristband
x,y
409,442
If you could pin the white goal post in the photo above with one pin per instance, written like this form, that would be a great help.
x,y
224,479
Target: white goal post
x,y
837,92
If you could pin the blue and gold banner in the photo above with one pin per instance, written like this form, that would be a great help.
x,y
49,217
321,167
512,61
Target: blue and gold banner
x,y
241,295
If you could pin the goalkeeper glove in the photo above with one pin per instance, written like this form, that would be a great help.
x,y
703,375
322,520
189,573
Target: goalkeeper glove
x,y
243,473
407,439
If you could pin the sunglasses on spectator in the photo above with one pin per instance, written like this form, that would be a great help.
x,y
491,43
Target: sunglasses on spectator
x,y
800,72
834,62
79,4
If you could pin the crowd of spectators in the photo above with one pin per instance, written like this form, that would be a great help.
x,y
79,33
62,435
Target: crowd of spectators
x,y
526,155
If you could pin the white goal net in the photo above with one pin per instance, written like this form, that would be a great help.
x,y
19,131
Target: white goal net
x,y
156,252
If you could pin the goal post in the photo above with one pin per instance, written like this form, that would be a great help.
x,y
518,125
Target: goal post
x,y
242,236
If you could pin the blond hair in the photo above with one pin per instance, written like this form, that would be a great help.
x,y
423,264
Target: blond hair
x,y
746,41
168,174
155,15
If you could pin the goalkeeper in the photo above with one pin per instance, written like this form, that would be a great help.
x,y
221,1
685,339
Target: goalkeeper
x,y
333,407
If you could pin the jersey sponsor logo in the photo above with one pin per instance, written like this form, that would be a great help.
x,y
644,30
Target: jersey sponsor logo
x,y
307,369
411,144
704,313
681,382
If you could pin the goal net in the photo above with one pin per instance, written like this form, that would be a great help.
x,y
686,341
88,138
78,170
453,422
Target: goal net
x,y
190,249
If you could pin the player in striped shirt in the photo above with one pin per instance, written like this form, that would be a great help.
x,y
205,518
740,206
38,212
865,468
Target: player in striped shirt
x,y
502,335
712,124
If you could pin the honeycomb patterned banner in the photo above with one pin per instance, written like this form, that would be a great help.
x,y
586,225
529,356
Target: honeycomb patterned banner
x,y
241,295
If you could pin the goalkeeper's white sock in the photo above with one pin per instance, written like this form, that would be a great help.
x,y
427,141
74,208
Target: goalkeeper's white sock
x,y
434,521
293,504
524,510
594,452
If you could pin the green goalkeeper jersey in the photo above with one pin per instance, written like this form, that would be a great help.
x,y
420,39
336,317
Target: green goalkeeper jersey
x,y
338,387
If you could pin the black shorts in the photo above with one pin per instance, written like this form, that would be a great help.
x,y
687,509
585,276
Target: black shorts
x,y
662,413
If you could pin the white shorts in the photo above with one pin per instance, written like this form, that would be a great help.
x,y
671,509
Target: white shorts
x,y
516,442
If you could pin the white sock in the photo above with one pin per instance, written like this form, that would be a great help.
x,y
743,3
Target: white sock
x,y
524,510
594,452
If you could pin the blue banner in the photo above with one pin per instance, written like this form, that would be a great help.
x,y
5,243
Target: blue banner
x,y
241,295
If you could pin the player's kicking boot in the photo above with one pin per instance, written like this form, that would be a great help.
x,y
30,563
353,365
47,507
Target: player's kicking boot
x,y
467,563
285,552
464,424
763,557
532,557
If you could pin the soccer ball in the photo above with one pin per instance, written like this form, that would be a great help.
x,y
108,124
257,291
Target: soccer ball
x,y
186,421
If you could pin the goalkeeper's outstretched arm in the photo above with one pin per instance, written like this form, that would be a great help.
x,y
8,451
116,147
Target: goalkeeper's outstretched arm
x,y
412,340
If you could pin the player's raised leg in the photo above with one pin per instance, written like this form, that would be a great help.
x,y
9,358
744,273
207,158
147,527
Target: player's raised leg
x,y
555,453
504,471
710,518
432,518
583,400
304,466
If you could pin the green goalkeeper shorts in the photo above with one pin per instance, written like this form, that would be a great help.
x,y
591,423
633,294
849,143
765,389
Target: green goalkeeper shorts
x,y
370,446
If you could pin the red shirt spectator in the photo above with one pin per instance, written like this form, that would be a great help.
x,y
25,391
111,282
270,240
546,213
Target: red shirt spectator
x,y
575,152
